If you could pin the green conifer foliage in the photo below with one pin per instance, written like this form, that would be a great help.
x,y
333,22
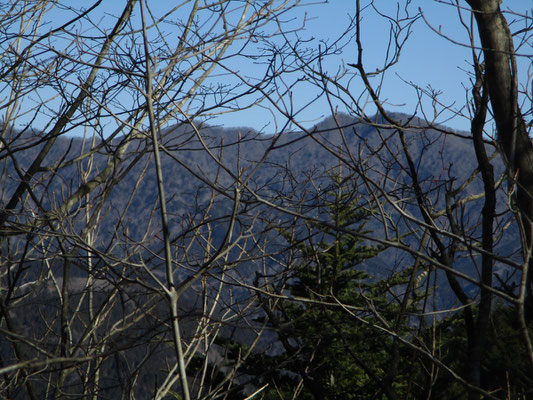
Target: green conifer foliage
x,y
333,346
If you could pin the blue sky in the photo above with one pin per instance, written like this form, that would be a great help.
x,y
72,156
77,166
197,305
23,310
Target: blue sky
x,y
429,60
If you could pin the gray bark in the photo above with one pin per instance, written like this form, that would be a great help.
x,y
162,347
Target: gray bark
x,y
500,76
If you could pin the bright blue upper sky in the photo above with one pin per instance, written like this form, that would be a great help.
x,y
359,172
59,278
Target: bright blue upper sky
x,y
429,60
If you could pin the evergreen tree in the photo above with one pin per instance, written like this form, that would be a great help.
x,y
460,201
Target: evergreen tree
x,y
332,348
506,370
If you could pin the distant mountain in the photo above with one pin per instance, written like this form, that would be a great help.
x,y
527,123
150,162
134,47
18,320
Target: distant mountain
x,y
290,167
283,178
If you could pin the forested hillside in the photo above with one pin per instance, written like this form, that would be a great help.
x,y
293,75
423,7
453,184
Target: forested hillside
x,y
148,251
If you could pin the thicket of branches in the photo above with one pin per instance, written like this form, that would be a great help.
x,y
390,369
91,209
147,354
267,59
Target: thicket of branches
x,y
145,254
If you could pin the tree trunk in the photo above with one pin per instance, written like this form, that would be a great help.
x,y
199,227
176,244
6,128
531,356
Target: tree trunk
x,y
500,67
515,144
